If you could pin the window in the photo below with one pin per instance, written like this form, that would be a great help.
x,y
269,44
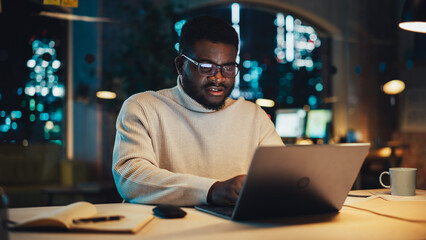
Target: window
x,y
32,76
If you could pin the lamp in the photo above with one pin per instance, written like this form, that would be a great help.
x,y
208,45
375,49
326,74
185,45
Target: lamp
x,y
106,94
414,16
265,102
73,17
394,87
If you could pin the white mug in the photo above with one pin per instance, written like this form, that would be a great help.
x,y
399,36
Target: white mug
x,y
402,181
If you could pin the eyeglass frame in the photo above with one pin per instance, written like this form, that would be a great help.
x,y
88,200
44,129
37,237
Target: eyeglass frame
x,y
217,67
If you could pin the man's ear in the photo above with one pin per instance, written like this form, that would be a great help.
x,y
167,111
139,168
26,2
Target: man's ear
x,y
179,64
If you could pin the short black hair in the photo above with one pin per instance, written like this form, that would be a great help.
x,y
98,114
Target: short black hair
x,y
206,28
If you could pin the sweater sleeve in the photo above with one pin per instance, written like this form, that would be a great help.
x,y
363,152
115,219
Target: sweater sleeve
x,y
136,170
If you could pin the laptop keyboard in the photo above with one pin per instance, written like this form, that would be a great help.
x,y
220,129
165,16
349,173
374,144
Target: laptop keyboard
x,y
221,210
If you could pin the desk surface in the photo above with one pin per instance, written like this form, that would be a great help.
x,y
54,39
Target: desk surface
x,y
349,223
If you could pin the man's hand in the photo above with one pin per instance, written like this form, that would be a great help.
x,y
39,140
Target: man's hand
x,y
226,192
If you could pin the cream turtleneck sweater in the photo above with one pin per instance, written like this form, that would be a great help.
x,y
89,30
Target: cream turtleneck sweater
x,y
170,149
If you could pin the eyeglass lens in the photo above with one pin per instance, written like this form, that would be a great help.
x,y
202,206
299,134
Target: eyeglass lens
x,y
209,69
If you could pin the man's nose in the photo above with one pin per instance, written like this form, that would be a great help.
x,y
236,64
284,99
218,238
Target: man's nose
x,y
218,77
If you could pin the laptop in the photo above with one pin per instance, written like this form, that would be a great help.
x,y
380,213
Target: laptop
x,y
294,180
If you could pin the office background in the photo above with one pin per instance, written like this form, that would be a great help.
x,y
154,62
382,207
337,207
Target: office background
x,y
57,134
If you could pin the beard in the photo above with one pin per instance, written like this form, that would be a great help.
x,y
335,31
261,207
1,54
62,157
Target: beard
x,y
198,95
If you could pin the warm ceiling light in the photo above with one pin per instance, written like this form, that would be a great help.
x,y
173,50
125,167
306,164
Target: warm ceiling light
x,y
265,102
394,87
414,26
106,95
414,16
73,17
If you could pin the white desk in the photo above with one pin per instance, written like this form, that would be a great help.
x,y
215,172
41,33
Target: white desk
x,y
349,223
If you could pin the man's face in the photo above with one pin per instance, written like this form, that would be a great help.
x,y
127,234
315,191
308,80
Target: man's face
x,y
209,91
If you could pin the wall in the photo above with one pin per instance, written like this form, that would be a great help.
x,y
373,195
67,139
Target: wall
x,y
87,59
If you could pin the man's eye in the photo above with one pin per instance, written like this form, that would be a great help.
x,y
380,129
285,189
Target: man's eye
x,y
229,67
206,67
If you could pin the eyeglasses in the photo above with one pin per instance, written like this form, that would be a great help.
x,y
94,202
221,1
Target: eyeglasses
x,y
210,69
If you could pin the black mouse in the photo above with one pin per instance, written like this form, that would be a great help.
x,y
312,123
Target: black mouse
x,y
169,211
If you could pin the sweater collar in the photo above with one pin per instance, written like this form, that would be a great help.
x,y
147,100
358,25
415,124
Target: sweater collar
x,y
189,103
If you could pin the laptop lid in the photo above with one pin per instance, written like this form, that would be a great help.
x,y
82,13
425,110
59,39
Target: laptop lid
x,y
297,180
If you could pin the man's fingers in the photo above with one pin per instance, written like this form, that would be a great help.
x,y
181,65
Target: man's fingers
x,y
237,190
227,192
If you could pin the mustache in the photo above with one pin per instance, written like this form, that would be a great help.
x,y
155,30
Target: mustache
x,y
213,84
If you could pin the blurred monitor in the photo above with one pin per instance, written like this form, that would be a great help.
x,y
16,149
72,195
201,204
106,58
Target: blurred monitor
x,y
317,122
290,123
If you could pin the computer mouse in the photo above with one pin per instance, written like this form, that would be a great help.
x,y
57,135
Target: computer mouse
x,y
168,211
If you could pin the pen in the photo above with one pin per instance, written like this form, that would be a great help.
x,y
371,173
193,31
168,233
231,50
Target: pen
x,y
356,195
97,219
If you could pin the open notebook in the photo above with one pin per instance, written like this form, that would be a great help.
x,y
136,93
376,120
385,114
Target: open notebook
x,y
69,218
295,180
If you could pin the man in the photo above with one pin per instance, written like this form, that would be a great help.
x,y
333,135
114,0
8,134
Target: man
x,y
191,144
